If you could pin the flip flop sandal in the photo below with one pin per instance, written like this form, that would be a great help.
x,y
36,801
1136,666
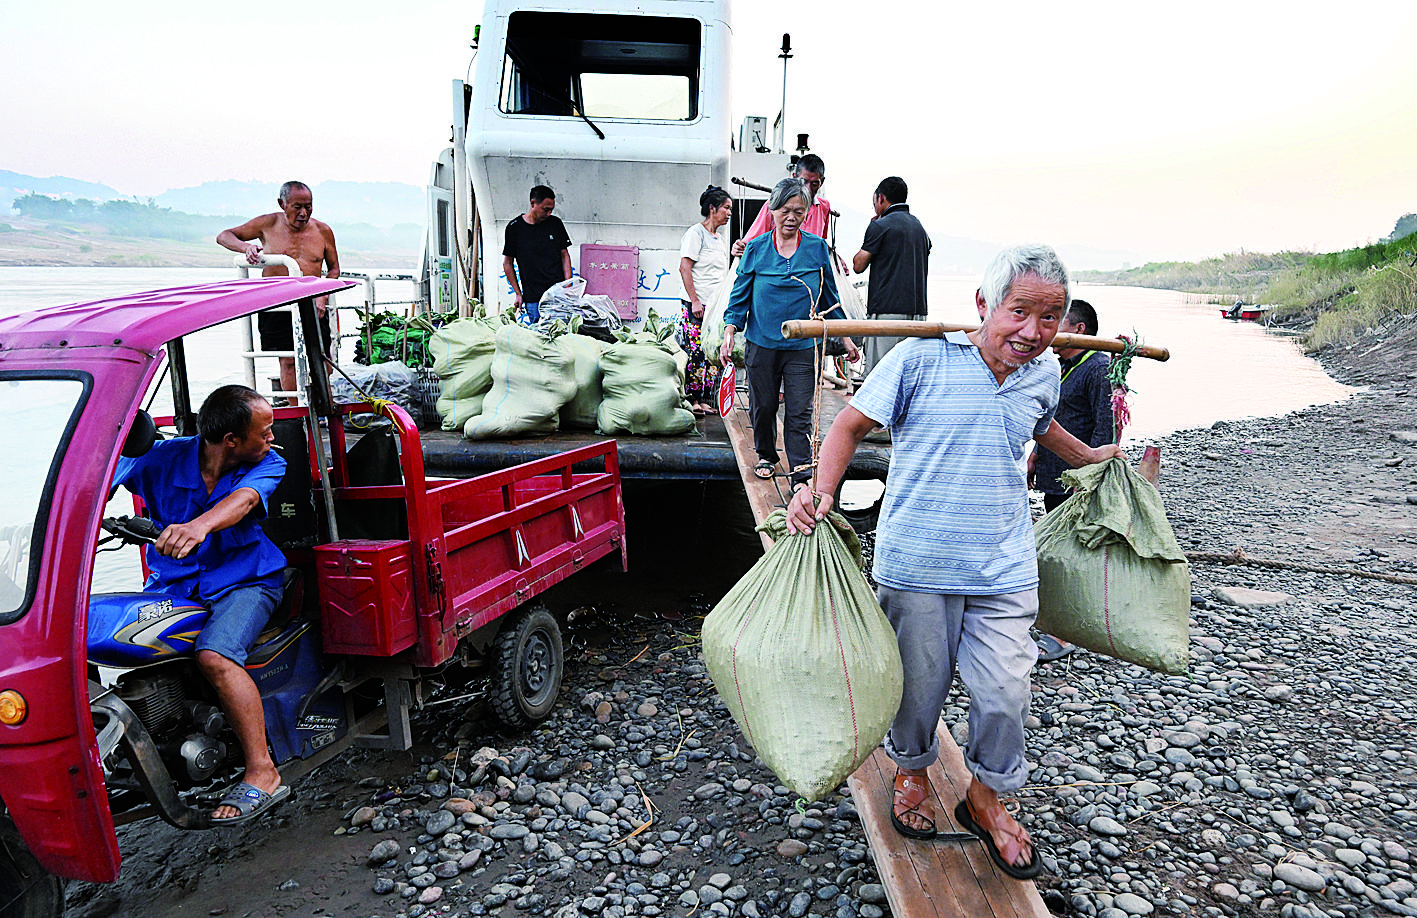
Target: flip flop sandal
x,y
251,801
911,790
1050,649
1028,871
764,469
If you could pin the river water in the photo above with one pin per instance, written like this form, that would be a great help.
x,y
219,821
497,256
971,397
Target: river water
x,y
1219,369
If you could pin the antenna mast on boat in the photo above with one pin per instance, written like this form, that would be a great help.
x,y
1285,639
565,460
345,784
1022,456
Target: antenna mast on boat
x,y
782,114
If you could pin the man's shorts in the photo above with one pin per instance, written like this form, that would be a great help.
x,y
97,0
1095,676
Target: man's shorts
x,y
277,331
238,618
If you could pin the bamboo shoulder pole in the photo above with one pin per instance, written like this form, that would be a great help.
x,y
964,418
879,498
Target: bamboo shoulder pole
x,y
864,328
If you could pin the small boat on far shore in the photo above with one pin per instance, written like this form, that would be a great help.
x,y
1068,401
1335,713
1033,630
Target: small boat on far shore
x,y
1247,312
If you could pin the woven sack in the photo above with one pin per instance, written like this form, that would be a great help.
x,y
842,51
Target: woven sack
x,y
580,413
805,659
532,377
642,384
1111,576
462,358
711,337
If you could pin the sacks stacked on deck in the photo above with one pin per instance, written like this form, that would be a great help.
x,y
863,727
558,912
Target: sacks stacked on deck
x,y
642,381
533,375
582,411
462,358
805,659
1112,577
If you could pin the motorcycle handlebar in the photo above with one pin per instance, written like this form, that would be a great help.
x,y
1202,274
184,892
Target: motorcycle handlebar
x,y
136,530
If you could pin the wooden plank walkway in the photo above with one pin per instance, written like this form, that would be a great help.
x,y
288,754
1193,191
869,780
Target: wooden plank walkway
x,y
944,878
935,879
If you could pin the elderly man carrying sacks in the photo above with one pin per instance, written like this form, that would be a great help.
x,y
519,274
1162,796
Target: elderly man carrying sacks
x,y
954,556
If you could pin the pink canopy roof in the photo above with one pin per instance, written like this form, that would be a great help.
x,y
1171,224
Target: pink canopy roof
x,y
146,321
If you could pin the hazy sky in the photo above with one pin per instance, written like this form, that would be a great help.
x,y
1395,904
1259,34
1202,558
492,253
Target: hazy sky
x,y
1168,130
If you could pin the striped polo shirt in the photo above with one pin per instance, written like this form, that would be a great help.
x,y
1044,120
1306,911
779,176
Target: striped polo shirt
x,y
955,515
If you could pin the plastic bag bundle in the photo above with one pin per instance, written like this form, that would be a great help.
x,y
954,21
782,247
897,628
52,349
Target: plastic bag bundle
x,y
391,382
568,300
462,359
1112,577
581,412
804,657
850,297
532,377
642,384
712,335
385,337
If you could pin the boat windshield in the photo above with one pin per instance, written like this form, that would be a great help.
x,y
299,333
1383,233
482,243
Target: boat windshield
x,y
45,409
601,66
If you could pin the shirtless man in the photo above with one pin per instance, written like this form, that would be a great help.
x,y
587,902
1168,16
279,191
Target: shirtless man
x,y
293,232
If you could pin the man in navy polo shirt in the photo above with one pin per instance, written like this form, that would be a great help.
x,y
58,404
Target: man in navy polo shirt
x,y
897,250
209,494
955,559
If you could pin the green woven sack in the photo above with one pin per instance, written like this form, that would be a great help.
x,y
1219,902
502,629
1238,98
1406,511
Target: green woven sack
x,y
532,377
1111,576
642,384
580,413
805,659
462,358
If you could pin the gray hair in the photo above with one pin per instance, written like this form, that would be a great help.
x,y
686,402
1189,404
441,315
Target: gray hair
x,y
1016,261
786,190
290,188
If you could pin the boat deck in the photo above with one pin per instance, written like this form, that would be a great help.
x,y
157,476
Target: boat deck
x,y
707,453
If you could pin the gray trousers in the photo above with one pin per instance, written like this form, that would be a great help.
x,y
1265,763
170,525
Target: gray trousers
x,y
874,349
986,638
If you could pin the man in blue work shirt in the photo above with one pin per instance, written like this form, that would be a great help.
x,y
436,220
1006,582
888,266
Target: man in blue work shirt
x,y
209,494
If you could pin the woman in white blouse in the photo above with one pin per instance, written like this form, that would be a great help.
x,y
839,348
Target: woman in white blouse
x,y
703,263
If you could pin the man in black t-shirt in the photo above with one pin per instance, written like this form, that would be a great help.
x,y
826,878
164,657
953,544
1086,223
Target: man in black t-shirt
x,y
896,249
539,246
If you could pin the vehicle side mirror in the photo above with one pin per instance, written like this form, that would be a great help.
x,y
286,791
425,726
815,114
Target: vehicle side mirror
x,y
141,436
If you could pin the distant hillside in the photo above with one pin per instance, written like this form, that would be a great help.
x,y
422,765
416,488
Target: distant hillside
x,y
14,185
378,203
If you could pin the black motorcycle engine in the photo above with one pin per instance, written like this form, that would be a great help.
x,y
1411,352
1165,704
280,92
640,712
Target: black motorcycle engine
x,y
156,698
187,733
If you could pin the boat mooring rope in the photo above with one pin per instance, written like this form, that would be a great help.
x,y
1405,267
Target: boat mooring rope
x,y
1239,557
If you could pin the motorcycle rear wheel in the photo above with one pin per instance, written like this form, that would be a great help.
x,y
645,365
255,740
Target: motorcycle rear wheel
x,y
27,890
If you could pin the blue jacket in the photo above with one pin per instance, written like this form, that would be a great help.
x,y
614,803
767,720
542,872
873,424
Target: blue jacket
x,y
769,290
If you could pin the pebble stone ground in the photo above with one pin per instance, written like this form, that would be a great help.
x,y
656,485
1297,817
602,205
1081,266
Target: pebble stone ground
x,y
1278,777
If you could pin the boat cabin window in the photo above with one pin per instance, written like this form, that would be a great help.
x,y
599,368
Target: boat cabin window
x,y
601,66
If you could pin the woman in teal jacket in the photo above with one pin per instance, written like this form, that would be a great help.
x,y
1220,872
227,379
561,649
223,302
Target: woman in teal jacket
x,y
782,275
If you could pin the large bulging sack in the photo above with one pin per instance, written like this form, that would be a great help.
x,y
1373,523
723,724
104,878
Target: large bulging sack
x,y
1111,576
462,358
642,386
580,413
532,377
711,334
805,659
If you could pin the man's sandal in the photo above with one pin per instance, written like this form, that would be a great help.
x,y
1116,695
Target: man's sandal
x,y
908,793
764,469
964,815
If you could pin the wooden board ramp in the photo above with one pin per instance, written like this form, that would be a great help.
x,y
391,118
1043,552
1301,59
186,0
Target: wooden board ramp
x,y
934,879
940,878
